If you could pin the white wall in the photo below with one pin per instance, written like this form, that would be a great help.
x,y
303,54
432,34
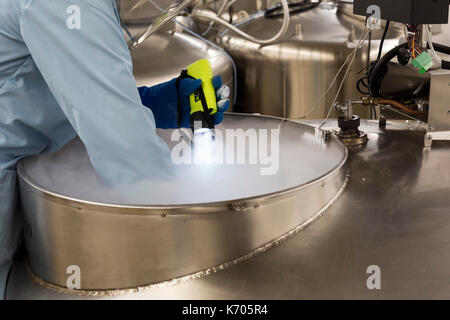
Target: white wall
x,y
444,37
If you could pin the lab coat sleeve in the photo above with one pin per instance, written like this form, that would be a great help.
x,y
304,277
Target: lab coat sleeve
x,y
79,48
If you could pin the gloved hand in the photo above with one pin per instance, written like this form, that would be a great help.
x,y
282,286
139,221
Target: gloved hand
x,y
162,99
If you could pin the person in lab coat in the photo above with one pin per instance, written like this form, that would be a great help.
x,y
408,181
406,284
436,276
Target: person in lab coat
x,y
65,70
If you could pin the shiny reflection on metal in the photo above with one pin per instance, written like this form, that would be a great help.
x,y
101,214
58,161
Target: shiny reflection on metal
x,y
288,78
127,246
163,56
197,275
439,113
352,139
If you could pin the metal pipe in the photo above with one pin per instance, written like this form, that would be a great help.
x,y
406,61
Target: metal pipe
x,y
392,103
430,44
161,21
206,14
401,106
225,5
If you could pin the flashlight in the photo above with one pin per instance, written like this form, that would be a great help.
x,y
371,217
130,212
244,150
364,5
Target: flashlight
x,y
203,101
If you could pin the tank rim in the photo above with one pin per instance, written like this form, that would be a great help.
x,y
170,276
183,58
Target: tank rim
x,y
239,204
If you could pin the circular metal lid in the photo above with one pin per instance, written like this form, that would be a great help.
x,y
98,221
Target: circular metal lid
x,y
282,155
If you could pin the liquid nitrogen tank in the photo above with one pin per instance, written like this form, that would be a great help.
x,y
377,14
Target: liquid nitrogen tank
x,y
201,219
288,78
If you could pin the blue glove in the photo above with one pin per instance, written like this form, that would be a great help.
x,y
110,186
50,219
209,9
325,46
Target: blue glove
x,y
162,100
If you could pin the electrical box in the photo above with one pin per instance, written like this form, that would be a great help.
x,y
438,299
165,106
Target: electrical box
x,y
407,11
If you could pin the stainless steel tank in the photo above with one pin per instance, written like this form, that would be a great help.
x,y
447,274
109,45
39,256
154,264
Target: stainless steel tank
x,y
203,219
394,214
288,78
164,55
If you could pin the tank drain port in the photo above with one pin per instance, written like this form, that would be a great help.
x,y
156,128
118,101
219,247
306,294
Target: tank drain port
x,y
349,124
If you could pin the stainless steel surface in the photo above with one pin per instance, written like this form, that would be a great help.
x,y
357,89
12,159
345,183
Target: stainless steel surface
x,y
164,55
119,242
287,79
395,213
439,113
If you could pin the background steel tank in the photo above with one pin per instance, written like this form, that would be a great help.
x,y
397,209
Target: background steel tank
x,y
140,12
165,54
288,78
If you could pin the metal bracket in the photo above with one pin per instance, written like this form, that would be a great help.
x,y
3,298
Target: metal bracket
x,y
439,113
430,136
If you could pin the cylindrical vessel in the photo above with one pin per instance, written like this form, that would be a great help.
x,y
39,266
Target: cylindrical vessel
x,y
214,216
288,78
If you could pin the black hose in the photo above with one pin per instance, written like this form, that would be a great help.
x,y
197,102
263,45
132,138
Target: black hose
x,y
380,52
230,13
445,65
361,82
441,48
295,8
380,70
369,50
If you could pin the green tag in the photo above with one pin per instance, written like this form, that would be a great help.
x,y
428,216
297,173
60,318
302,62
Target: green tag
x,y
423,62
